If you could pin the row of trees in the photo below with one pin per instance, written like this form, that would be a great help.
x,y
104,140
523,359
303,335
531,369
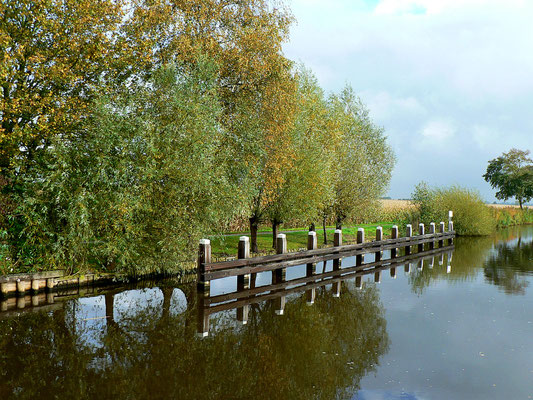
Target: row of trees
x,y
130,129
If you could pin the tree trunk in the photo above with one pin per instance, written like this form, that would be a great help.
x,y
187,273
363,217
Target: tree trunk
x,y
520,201
324,228
253,233
338,224
275,225
312,227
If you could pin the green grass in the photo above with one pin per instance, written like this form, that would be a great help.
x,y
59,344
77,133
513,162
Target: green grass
x,y
224,246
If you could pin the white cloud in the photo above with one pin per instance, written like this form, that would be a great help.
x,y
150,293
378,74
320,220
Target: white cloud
x,y
438,130
454,72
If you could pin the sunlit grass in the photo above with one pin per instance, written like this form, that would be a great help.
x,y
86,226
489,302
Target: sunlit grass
x,y
296,238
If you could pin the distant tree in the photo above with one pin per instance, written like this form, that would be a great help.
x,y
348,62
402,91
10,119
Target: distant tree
x,y
512,175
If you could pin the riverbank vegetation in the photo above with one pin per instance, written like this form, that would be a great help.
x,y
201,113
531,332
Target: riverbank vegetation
x,y
471,215
126,138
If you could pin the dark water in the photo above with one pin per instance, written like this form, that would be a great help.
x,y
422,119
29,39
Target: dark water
x,y
460,330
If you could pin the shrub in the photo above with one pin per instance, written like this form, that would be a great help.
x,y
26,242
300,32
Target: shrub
x,y
471,216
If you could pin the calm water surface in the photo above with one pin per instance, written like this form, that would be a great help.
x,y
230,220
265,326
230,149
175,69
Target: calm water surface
x,y
460,330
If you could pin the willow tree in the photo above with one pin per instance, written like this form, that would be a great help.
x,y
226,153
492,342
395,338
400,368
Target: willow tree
x,y
267,173
306,187
59,57
134,190
364,159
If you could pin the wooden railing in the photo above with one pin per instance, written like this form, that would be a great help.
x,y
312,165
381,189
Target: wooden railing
x,y
245,296
244,266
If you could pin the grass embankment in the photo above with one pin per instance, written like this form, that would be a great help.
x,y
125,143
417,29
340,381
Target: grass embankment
x,y
226,246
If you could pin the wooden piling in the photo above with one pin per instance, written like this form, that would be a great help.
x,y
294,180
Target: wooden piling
x,y
38,284
359,282
431,230
204,257
441,230
312,244
243,281
408,233
360,239
337,241
450,228
394,235
407,268
421,232
278,275
393,273
379,238
377,277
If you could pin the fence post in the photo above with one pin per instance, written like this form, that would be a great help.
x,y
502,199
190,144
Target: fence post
x,y
421,231
432,232
379,238
278,275
408,234
450,226
360,239
312,244
394,235
441,230
359,282
243,281
204,257
337,241
202,318
407,268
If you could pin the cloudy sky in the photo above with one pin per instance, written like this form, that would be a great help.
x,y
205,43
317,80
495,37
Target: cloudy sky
x,y
451,81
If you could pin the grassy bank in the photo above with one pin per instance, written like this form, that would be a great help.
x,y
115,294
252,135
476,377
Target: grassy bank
x,y
226,246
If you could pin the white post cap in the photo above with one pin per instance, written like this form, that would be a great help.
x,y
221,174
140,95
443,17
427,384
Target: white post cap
x,y
338,231
311,233
244,239
205,241
281,236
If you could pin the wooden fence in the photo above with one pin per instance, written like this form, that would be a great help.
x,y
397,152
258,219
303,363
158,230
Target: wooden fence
x,y
245,267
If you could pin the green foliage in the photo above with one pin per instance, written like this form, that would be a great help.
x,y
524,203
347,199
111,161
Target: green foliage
x,y
512,175
471,215
136,188
513,216
364,160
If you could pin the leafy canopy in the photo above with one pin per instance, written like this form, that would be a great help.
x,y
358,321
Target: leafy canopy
x,y
512,175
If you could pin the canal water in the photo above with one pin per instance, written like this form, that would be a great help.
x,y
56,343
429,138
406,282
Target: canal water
x,y
455,326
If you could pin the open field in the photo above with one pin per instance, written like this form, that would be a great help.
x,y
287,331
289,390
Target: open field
x,y
392,204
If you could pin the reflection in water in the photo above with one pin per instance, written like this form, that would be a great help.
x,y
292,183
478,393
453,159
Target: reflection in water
x,y
119,345
505,259
509,264
143,343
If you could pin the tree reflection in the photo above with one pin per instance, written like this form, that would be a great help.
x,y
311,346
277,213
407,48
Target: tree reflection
x,y
509,264
320,351
504,259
